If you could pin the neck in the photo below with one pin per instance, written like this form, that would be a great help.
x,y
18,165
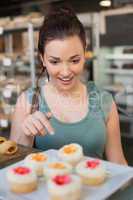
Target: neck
x,y
77,89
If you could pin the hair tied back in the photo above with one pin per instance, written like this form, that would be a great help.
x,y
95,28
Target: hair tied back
x,y
63,11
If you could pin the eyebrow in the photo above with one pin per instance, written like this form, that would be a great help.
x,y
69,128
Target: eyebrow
x,y
57,58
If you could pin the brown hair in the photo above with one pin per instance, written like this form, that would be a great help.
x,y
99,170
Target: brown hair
x,y
59,23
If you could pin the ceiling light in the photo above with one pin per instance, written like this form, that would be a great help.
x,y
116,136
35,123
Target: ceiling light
x,y
105,3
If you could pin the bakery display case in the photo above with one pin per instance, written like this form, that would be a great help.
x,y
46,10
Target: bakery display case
x,y
17,61
116,76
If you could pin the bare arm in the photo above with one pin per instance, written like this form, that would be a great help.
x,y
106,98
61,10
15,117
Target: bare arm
x,y
22,110
113,147
26,125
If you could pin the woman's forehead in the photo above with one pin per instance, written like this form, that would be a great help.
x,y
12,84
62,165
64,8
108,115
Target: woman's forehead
x,y
69,47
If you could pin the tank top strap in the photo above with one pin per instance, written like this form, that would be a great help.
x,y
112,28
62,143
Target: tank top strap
x,y
94,98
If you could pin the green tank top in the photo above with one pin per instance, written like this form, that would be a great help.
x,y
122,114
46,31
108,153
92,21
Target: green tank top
x,y
90,132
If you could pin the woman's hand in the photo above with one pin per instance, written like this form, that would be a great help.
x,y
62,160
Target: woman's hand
x,y
37,124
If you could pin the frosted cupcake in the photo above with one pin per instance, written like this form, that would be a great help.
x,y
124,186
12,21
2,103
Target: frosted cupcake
x,y
66,187
71,153
91,171
22,179
36,161
56,168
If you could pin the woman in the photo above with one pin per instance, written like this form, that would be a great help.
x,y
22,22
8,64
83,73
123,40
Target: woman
x,y
65,110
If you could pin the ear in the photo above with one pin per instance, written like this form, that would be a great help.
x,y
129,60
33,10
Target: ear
x,y
42,59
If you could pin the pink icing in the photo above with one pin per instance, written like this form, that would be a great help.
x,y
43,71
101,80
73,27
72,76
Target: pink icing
x,y
21,170
92,163
62,180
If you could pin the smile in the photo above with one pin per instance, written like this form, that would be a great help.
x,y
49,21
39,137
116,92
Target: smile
x,y
66,80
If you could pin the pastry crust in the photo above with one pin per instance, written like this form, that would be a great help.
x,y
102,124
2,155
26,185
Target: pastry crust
x,y
8,147
2,139
23,188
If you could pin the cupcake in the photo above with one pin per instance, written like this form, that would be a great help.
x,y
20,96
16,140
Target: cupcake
x,y
22,179
71,153
91,171
64,187
36,161
56,168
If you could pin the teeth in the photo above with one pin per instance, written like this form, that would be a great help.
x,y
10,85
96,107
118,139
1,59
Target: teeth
x,y
66,79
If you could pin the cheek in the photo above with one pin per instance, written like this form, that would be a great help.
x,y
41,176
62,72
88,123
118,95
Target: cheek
x,y
52,70
78,69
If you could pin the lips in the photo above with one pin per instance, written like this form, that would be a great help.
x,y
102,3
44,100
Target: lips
x,y
66,81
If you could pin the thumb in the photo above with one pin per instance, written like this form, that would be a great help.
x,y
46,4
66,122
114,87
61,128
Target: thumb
x,y
48,115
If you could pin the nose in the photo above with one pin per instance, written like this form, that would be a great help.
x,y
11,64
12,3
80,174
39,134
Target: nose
x,y
65,70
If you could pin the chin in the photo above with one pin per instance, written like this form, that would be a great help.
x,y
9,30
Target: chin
x,y
66,87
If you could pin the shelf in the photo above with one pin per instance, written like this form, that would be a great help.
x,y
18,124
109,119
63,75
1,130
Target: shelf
x,y
119,57
19,29
114,88
125,118
128,72
127,135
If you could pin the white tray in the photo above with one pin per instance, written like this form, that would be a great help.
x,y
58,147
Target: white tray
x,y
118,176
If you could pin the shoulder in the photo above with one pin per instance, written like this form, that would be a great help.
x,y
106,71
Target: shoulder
x,y
102,97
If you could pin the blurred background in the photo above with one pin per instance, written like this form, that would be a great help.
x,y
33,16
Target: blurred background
x,y
109,54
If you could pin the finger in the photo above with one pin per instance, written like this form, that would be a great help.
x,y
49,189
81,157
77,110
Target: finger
x,y
26,131
31,127
38,125
43,132
48,115
45,122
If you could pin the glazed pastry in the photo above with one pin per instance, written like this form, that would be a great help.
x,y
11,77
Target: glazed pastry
x,y
2,139
66,187
8,147
22,179
91,171
71,153
56,168
36,162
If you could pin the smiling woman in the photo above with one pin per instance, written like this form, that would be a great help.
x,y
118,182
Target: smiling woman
x,y
64,64
65,110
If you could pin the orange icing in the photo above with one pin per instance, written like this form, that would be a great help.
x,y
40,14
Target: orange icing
x,y
70,149
57,165
39,157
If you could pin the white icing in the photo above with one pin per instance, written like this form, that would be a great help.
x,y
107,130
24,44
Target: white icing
x,y
34,164
96,172
51,172
18,178
74,185
71,157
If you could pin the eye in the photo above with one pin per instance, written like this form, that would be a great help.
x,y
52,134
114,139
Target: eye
x,y
75,61
54,62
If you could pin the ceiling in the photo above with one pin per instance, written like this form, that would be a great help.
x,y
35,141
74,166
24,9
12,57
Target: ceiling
x,y
17,7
